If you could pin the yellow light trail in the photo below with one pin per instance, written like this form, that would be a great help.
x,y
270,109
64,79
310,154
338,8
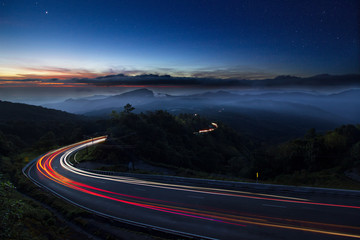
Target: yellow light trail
x,y
44,166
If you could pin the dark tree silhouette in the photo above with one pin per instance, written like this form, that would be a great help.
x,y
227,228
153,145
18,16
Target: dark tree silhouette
x,y
128,108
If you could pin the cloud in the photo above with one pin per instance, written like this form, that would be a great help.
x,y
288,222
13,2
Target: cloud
x,y
169,81
238,77
56,72
235,72
232,74
48,72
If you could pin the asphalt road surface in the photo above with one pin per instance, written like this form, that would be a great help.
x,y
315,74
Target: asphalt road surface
x,y
208,213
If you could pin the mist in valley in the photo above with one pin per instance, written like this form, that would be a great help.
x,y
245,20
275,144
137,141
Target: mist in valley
x,y
277,114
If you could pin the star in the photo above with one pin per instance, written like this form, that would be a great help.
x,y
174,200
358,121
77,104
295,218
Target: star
x,y
46,12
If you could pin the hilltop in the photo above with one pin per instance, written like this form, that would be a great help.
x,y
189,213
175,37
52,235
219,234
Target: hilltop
x,y
19,111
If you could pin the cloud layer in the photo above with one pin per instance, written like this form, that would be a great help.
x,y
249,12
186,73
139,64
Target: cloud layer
x,y
198,80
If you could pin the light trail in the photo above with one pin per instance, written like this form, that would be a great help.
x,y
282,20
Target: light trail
x,y
214,126
44,167
65,164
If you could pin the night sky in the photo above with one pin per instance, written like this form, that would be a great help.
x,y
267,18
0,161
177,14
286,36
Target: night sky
x,y
252,39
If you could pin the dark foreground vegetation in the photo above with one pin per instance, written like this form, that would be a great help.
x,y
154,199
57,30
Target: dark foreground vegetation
x,y
158,139
22,214
315,159
28,212
162,139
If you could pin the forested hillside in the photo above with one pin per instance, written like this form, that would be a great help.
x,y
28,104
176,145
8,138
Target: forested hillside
x,y
23,126
315,158
19,111
26,132
162,139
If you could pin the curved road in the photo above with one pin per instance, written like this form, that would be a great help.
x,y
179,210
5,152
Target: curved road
x,y
201,212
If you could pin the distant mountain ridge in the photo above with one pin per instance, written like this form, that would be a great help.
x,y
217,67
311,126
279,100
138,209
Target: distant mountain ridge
x,y
221,94
282,81
142,92
321,81
146,99
19,111
263,113
83,105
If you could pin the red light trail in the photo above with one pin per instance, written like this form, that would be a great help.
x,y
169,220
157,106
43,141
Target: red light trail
x,y
44,167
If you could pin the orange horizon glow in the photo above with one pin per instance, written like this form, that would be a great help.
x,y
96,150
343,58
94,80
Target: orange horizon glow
x,y
39,84
44,73
50,76
19,84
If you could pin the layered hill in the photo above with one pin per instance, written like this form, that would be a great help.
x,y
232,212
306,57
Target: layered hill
x,y
19,111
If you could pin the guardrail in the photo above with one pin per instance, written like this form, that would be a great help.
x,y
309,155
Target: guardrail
x,y
197,182
146,227
233,184
29,164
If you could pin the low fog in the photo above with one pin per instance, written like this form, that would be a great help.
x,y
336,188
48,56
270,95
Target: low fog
x,y
263,113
